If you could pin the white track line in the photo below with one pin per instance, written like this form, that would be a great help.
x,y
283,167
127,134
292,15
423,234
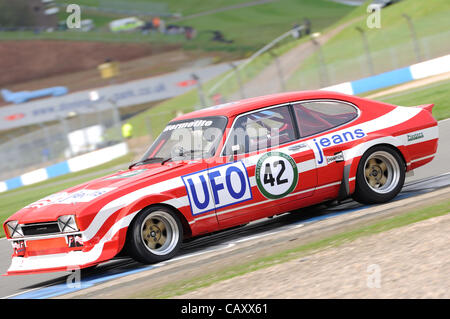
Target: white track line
x,y
23,292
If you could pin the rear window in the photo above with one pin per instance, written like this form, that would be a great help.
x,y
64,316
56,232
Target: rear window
x,y
314,117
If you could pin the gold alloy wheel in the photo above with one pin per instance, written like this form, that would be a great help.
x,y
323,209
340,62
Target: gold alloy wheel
x,y
376,172
382,172
154,233
160,233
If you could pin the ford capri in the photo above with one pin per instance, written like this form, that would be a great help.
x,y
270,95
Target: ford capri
x,y
222,167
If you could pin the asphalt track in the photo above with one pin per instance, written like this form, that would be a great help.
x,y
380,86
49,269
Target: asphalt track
x,y
428,178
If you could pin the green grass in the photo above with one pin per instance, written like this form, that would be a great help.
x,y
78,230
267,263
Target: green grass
x,y
391,46
185,8
430,17
255,26
192,284
249,27
94,36
437,93
13,200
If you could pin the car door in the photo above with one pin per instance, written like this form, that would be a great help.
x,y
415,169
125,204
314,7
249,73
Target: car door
x,y
279,168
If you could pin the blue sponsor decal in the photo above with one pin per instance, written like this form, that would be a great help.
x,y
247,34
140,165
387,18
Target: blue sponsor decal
x,y
335,139
217,187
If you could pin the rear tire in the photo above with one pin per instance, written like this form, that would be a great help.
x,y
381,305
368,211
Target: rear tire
x,y
155,235
380,175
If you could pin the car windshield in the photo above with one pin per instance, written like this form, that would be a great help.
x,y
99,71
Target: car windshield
x,y
188,139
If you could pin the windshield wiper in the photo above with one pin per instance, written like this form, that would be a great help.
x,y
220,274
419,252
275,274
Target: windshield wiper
x,y
147,160
166,160
162,159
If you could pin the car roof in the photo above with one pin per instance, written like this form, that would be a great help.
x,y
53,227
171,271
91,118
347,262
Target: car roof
x,y
242,106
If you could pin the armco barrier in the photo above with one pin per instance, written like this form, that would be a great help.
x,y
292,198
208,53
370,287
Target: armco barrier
x,y
72,165
135,92
414,72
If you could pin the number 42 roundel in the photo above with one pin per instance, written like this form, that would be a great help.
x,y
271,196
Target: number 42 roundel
x,y
276,174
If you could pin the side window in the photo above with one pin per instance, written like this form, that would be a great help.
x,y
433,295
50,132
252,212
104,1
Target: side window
x,y
318,116
260,130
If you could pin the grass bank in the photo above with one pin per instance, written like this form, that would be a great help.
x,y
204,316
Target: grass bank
x,y
248,24
390,46
437,93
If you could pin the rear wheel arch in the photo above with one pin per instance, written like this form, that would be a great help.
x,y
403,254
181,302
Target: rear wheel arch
x,y
387,140
394,148
402,153
345,190
394,171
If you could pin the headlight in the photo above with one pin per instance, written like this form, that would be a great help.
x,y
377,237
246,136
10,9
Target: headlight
x,y
14,229
67,223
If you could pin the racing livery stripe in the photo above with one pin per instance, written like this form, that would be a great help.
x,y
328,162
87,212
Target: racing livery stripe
x,y
351,179
422,158
430,134
397,116
121,202
321,161
361,151
356,151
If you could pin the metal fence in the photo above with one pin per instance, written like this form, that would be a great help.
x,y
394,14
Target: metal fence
x,y
249,78
317,75
270,73
57,141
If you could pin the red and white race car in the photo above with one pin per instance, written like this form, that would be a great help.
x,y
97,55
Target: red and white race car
x,y
226,166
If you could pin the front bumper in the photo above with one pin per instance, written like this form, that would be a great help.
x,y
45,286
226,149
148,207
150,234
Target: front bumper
x,y
59,255
51,254
49,263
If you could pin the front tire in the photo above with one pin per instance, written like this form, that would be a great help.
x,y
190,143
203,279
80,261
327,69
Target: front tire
x,y
380,175
155,235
